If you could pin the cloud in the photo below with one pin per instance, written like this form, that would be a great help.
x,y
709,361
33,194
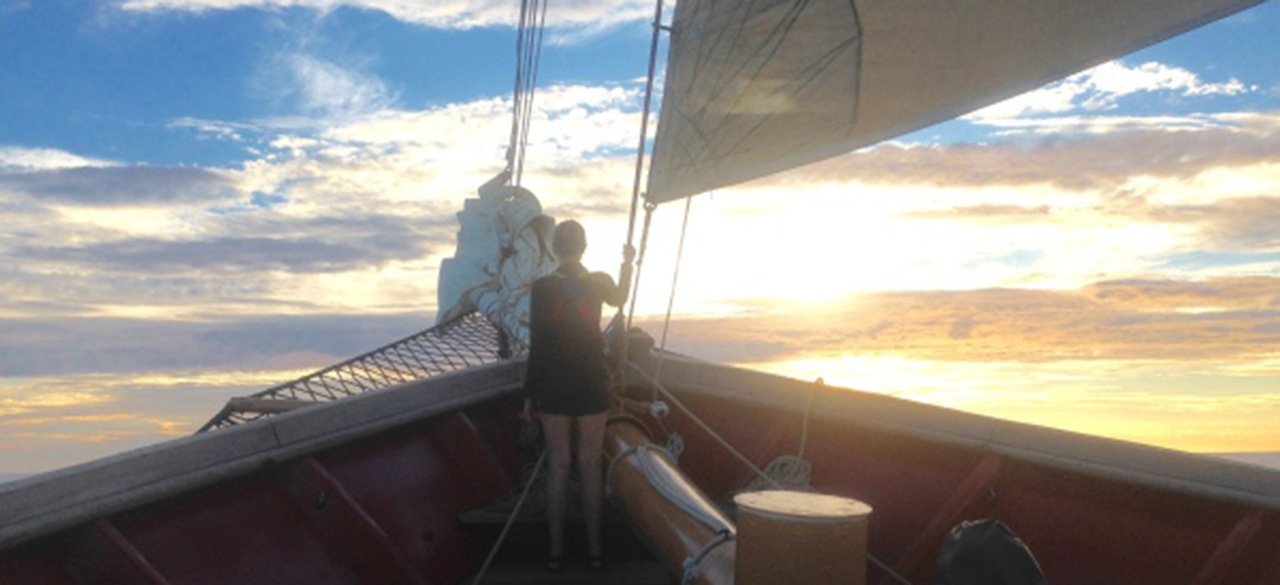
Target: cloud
x,y
117,186
320,88
456,14
1100,88
215,129
1240,294
17,159
1090,162
352,216
988,212
233,255
96,415
94,345
1121,320
1247,223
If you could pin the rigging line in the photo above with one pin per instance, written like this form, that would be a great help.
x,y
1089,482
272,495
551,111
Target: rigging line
x,y
649,208
635,186
644,121
743,458
675,278
528,53
519,85
519,105
510,520
531,86
714,435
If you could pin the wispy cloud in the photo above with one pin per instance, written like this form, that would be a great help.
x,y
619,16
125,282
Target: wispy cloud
x,y
15,159
216,129
1100,88
320,88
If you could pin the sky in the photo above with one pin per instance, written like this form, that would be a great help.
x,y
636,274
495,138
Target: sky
x,y
200,199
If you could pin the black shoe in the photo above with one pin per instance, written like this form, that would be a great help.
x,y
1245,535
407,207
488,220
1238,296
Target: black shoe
x,y
554,564
596,562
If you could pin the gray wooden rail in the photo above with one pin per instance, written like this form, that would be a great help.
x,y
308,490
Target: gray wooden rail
x,y
47,503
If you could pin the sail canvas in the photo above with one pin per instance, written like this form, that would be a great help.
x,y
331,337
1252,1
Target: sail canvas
x,y
757,87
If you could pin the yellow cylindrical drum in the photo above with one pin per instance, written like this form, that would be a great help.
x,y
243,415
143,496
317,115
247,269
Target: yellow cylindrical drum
x,y
800,538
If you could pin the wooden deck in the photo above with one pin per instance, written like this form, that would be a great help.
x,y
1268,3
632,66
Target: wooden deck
x,y
579,573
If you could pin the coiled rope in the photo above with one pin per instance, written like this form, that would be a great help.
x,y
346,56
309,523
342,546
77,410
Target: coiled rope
x,y
793,471
769,481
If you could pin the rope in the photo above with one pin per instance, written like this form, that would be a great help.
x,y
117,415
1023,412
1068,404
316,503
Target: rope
x,y
635,186
493,552
804,426
533,16
787,472
692,562
740,457
793,471
649,208
714,435
674,445
644,119
888,570
675,279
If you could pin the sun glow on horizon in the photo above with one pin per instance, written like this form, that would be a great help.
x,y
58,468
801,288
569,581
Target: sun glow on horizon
x,y
1141,401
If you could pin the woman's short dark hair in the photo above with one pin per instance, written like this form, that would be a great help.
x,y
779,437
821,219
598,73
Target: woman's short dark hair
x,y
569,240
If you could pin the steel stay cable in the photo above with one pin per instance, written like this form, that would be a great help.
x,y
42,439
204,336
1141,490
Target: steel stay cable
x,y
529,37
675,279
519,86
644,121
635,186
531,84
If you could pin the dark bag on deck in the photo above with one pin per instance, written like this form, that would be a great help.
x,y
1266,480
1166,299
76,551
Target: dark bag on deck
x,y
986,552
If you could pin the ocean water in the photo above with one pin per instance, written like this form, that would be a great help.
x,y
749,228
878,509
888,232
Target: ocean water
x,y
1264,459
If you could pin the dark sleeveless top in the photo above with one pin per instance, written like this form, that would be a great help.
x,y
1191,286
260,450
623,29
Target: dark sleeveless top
x,y
567,373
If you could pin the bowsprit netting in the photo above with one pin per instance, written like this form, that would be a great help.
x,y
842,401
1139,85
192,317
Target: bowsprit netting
x,y
467,341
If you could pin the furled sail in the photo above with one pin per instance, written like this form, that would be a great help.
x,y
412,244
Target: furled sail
x,y
754,87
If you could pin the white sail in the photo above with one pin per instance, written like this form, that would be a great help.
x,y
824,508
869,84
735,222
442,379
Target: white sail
x,y
754,87
503,247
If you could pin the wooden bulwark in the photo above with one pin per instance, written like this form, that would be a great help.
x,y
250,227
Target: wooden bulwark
x,y
47,503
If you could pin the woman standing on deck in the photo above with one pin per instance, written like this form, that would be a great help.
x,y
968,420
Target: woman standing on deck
x,y
567,380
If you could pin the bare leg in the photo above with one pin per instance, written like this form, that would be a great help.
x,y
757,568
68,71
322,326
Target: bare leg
x,y
556,430
590,445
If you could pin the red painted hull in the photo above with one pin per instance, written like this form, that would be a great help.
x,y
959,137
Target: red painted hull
x,y
1083,528
359,502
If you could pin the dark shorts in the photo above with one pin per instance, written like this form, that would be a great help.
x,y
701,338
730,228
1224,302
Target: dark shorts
x,y
569,401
